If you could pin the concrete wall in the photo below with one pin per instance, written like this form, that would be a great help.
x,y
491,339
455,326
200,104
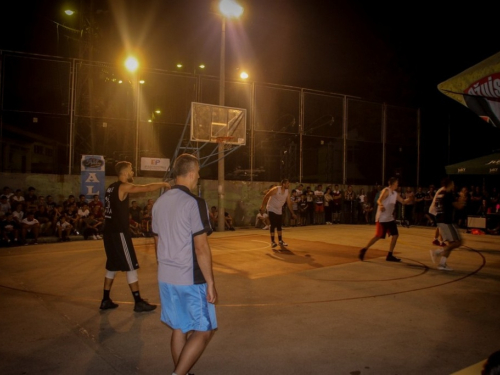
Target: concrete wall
x,y
242,198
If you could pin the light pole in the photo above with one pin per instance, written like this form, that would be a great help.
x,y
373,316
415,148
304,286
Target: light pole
x,y
228,9
132,65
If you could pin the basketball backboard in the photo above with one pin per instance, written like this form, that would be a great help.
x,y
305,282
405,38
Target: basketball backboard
x,y
213,123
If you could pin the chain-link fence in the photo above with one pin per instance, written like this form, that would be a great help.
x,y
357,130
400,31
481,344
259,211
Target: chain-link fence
x,y
54,110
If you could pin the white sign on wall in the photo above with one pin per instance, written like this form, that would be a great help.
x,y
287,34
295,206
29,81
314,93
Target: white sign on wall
x,y
155,164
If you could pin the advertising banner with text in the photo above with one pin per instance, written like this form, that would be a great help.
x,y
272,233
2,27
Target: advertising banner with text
x,y
155,164
93,170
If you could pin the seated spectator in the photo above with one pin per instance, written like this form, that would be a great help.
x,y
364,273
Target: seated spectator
x,y
64,229
147,218
5,206
18,214
49,202
18,198
7,192
136,212
73,218
214,216
83,211
44,219
262,220
30,226
135,227
82,200
9,228
98,213
56,214
228,221
69,202
92,227
31,200
40,201
149,202
95,202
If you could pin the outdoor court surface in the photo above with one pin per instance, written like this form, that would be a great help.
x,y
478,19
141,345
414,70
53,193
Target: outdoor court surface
x,y
313,308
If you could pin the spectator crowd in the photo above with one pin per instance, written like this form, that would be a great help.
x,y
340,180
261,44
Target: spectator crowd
x,y
25,216
331,205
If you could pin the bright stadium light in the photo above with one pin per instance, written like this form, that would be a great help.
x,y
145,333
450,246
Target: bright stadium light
x,y
131,63
230,9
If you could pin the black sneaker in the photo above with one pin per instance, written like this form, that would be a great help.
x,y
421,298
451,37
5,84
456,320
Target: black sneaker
x,y
392,258
108,304
362,253
143,306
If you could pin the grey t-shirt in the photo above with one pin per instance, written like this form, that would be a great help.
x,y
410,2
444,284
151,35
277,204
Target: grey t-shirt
x,y
179,216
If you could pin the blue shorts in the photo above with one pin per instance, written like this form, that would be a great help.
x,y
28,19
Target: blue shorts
x,y
185,307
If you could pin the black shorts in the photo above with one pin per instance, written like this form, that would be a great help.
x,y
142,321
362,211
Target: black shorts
x,y
120,252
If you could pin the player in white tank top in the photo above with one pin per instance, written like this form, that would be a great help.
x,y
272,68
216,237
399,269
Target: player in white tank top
x,y
384,222
274,201
385,211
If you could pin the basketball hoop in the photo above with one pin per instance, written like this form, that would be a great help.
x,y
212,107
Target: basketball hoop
x,y
224,140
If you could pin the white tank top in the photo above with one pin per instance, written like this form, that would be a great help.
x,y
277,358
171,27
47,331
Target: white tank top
x,y
276,202
389,203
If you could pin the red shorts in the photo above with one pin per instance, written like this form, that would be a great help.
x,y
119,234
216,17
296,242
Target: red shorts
x,y
386,228
319,208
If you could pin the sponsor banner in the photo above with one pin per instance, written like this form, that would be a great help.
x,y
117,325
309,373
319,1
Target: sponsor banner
x,y
478,88
155,164
92,180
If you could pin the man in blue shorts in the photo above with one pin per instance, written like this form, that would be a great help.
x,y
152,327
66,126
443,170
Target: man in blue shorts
x,y
181,226
384,219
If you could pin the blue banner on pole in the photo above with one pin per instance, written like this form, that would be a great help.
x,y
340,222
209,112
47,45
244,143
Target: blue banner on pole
x,y
93,175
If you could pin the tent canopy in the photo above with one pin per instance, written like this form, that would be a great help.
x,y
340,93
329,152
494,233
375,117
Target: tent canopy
x,y
485,165
478,88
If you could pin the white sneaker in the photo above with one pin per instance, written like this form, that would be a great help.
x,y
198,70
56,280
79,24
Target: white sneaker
x,y
266,227
94,237
99,237
444,267
283,243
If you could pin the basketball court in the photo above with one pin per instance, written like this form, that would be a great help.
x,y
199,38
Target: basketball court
x,y
312,307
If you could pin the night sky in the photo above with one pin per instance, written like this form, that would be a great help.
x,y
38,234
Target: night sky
x,y
378,51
